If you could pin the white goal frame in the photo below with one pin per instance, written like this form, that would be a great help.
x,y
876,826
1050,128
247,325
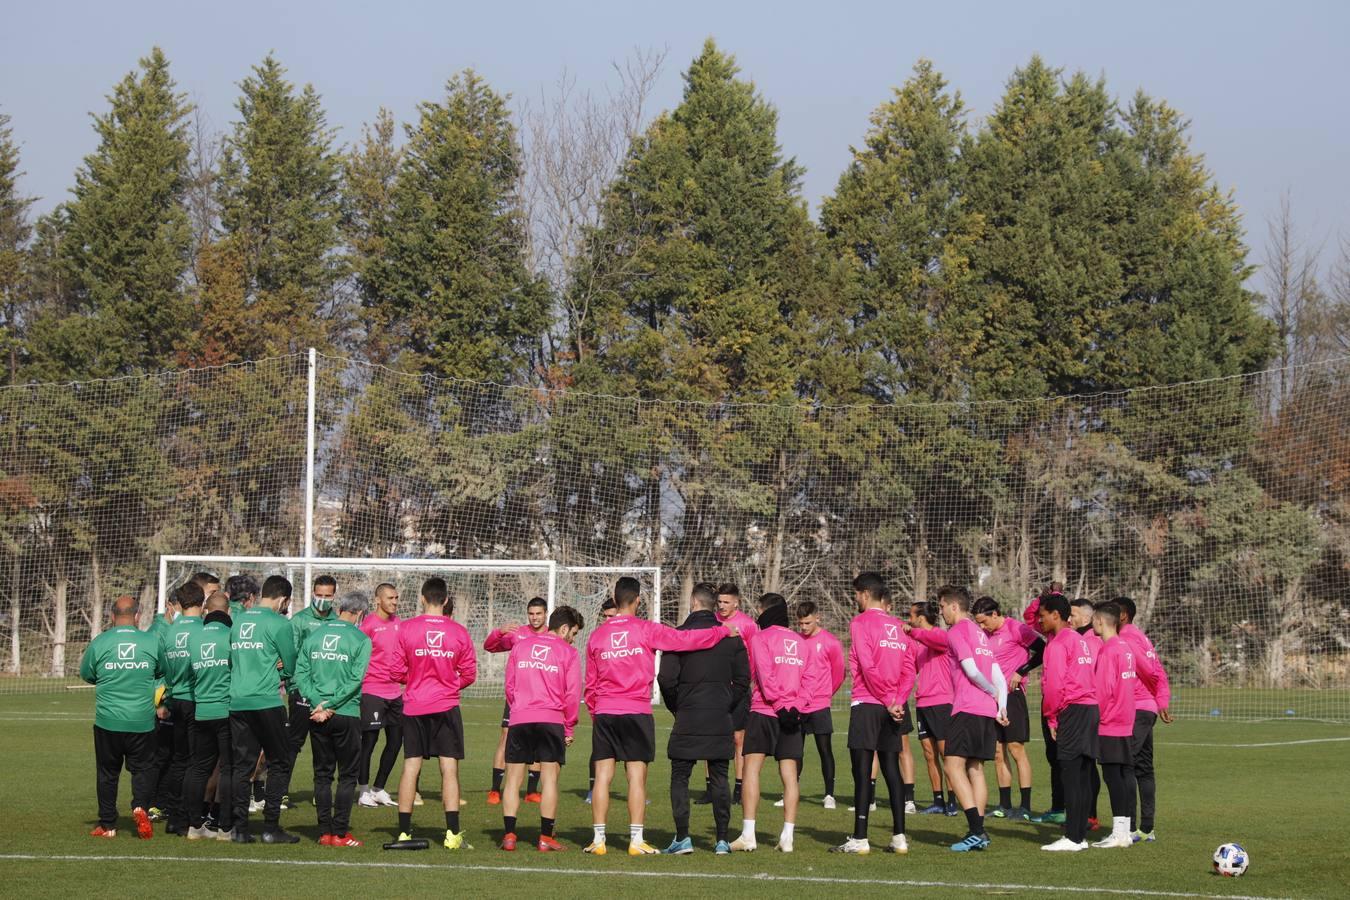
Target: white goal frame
x,y
350,563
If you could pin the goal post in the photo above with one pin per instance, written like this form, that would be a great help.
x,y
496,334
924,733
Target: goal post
x,y
587,587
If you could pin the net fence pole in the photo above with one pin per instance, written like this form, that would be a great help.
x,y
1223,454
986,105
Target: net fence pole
x,y
163,584
309,473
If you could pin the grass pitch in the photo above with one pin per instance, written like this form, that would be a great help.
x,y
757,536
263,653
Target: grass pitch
x,y
1279,788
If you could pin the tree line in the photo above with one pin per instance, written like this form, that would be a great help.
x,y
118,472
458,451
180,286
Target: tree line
x,y
609,336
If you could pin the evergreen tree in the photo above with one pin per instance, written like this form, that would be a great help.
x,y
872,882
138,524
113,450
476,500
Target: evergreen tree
x,y
124,238
450,280
279,202
15,231
369,174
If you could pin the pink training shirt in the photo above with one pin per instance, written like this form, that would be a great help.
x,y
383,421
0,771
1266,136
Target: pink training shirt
x,y
1010,645
824,678
934,666
543,681
1152,691
783,661
382,674
499,641
967,640
1113,682
1067,673
748,630
881,657
436,662
621,662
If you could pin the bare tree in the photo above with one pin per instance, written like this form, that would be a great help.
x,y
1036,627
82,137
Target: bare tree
x,y
203,164
575,142
1293,298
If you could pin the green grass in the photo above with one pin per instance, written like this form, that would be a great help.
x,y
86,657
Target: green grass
x,y
1278,801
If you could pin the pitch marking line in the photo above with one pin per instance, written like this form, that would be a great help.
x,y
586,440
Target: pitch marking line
x,y
1330,740
705,876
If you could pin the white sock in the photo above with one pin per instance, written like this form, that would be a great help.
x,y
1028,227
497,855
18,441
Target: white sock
x,y
787,830
599,833
634,834
748,829
1120,826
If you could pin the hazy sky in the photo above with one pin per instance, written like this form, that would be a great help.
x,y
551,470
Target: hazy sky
x,y
1264,84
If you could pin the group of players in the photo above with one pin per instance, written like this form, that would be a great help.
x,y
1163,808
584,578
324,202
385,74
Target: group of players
x,y
209,708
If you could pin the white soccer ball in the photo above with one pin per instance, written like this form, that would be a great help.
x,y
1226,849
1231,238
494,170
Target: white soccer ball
x,y
1230,860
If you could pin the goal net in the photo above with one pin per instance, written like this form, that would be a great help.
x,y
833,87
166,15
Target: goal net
x,y
1221,506
486,594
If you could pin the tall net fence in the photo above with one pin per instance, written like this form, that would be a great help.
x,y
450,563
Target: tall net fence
x,y
1222,507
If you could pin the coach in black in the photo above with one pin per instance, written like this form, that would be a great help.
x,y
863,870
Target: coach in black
x,y
702,688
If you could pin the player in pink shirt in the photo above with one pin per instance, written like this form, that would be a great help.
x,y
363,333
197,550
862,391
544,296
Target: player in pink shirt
x,y
826,680
729,613
781,686
543,688
1069,704
1114,680
881,659
501,640
436,662
933,700
1014,644
979,705
1152,697
620,671
381,697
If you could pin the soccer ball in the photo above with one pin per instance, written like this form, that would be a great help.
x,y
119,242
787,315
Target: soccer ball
x,y
1231,860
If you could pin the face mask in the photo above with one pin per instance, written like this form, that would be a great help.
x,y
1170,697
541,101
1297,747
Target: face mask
x,y
322,604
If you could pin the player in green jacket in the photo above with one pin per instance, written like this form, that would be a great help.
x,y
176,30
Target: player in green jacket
x,y
304,622
329,672
173,649
123,664
262,657
209,654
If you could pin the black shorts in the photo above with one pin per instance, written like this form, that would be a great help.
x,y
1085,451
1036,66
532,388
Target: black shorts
x,y
765,734
971,736
935,721
378,712
536,742
435,734
907,723
1114,750
506,715
740,716
819,722
1076,732
630,738
870,727
1018,729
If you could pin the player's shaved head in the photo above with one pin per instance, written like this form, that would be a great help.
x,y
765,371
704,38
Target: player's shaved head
x,y
125,609
219,601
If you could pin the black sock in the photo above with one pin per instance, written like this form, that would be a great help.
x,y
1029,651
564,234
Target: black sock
x,y
405,823
938,799
590,786
909,793
259,788
215,811
974,821
545,827
509,822
951,799
497,775
871,792
532,783
1026,798
737,792
1005,796
452,821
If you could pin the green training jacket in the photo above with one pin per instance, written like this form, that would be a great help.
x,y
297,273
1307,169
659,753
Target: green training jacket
x,y
209,649
123,664
173,648
259,638
332,665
